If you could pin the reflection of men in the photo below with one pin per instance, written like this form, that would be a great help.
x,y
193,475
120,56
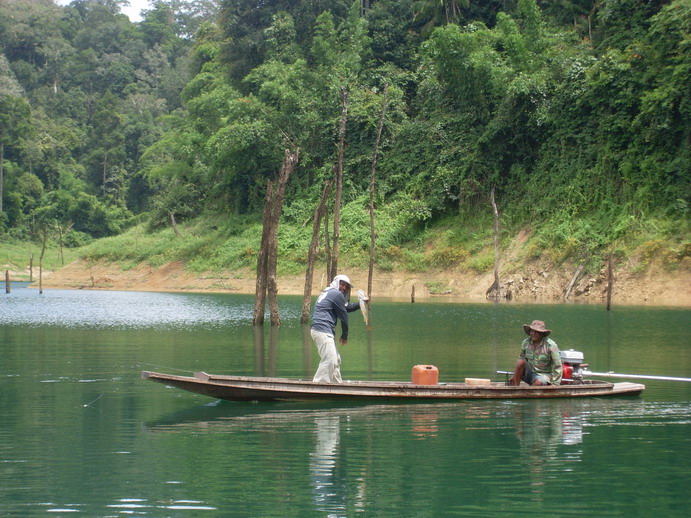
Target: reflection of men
x,y
539,362
539,431
332,305
328,488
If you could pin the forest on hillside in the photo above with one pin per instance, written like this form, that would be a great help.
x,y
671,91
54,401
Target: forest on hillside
x,y
574,113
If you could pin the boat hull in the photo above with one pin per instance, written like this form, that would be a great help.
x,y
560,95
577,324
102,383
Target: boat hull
x,y
245,388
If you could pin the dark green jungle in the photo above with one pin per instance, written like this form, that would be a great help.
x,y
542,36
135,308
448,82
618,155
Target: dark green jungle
x,y
574,114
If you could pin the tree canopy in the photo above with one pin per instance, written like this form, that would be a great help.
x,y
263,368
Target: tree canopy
x,y
575,113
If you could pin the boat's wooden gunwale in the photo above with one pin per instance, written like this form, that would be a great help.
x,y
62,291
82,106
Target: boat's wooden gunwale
x,y
245,388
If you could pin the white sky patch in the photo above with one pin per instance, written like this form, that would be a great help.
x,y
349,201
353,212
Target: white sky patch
x,y
132,11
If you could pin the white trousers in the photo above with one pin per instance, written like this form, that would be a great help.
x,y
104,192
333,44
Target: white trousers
x,y
329,370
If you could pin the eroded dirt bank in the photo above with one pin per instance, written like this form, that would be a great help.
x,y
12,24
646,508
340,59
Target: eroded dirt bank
x,y
655,286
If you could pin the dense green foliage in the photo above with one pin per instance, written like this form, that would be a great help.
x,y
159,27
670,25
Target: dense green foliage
x,y
576,113
82,93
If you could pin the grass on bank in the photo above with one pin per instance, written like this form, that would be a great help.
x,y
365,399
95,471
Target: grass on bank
x,y
459,242
19,256
214,244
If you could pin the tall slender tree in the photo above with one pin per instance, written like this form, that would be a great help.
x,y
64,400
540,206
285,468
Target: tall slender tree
x,y
333,269
375,153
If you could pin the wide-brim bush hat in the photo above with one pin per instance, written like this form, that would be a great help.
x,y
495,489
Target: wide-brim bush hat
x,y
536,325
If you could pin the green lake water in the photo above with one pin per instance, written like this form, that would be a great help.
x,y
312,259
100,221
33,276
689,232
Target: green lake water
x,y
82,434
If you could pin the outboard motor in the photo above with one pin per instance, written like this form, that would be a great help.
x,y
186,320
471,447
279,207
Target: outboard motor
x,y
572,364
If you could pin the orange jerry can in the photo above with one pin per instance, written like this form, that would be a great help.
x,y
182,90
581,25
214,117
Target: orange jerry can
x,y
425,375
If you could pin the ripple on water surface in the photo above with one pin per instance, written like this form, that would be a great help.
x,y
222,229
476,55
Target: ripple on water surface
x,y
122,309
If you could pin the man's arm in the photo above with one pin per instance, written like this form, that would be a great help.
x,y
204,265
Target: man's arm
x,y
340,308
353,306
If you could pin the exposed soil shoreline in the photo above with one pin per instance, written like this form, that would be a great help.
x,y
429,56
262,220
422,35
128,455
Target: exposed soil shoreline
x,y
536,284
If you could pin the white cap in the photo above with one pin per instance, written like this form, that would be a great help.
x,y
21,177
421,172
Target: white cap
x,y
338,279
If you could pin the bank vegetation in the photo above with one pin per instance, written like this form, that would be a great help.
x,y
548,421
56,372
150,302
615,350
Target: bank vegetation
x,y
155,141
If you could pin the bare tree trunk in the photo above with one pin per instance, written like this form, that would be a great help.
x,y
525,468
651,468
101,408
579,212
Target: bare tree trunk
x,y
44,238
2,173
494,290
273,348
62,255
290,160
261,283
339,181
7,281
105,172
591,14
174,224
371,190
259,349
31,268
610,281
61,234
327,246
318,214
573,281
496,242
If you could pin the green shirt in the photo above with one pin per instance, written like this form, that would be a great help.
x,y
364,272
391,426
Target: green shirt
x,y
543,358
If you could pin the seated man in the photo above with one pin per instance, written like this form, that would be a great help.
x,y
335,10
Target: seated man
x,y
539,362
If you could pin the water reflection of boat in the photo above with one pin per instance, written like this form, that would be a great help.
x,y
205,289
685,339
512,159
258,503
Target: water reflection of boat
x,y
224,417
246,388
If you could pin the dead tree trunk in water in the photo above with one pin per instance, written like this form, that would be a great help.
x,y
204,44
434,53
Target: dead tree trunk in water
x,y
290,160
339,182
327,245
312,252
610,281
371,191
268,256
495,290
261,283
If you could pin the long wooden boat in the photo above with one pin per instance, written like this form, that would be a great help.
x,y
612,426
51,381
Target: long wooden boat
x,y
246,388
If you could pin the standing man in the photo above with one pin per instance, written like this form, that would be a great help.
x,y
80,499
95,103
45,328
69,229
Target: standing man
x,y
539,362
332,305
